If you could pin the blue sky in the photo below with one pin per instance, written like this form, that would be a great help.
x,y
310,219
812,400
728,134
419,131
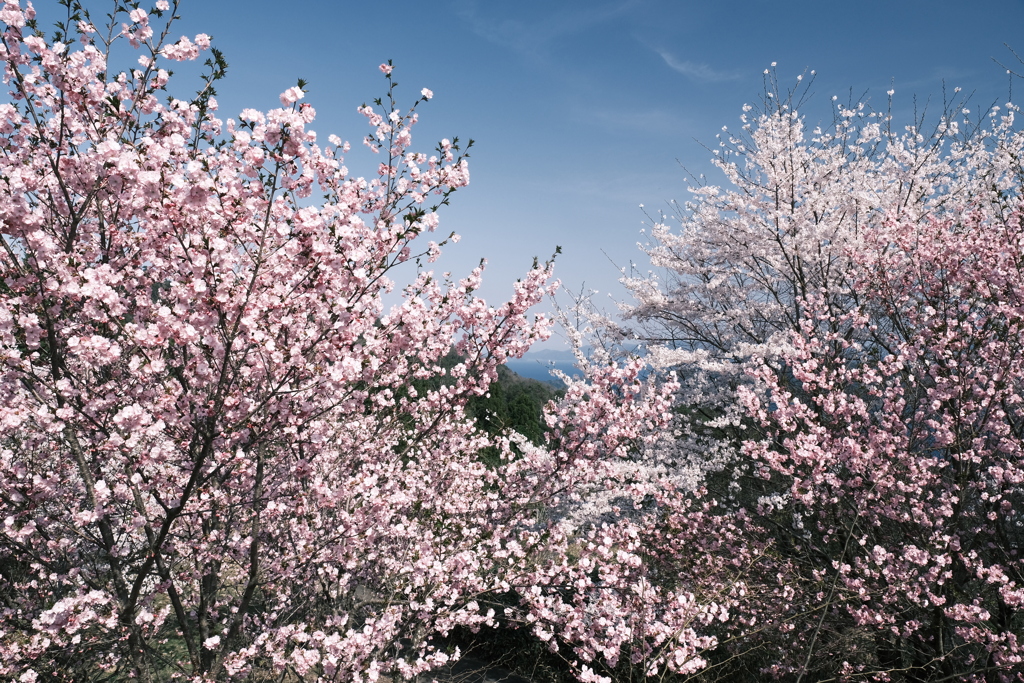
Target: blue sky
x,y
582,110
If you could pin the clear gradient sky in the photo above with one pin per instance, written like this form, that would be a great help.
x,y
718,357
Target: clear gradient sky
x,y
584,109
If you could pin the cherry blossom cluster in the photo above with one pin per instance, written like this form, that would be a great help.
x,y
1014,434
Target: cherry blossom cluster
x,y
898,441
221,454
845,320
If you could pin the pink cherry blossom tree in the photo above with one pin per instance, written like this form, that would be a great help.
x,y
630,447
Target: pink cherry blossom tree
x,y
897,443
730,278
218,456
845,317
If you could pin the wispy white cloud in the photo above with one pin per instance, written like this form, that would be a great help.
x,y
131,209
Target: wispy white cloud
x,y
532,38
696,71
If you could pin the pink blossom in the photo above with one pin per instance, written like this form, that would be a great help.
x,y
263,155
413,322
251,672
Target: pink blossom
x,y
839,378
230,416
181,51
291,95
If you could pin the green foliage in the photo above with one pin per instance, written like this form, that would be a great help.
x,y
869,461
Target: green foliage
x,y
513,403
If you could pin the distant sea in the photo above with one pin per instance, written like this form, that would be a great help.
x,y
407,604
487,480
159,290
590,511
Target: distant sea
x,y
538,365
